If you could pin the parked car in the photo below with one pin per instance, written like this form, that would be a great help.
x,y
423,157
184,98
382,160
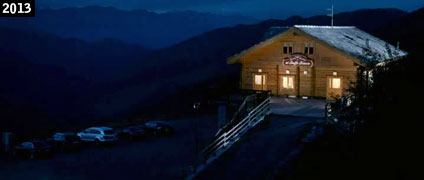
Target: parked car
x,y
66,141
133,133
33,149
98,135
159,127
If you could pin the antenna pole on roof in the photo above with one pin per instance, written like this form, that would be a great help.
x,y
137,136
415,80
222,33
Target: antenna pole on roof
x,y
331,15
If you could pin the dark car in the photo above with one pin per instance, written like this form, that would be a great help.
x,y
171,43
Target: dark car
x,y
132,133
159,128
33,149
66,141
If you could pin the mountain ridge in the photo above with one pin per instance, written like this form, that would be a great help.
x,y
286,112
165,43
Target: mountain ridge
x,y
145,28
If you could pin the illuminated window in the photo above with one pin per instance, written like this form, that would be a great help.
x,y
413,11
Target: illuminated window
x,y
335,83
288,82
259,79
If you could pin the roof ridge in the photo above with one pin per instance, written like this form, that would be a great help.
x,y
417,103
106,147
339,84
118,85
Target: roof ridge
x,y
316,26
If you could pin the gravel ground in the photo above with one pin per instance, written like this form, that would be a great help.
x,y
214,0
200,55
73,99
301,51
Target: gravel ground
x,y
298,107
258,153
156,158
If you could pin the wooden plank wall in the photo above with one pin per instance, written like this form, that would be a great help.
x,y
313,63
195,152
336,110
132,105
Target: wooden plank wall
x,y
326,61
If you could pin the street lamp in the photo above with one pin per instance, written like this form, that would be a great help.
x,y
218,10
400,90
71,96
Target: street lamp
x,y
196,107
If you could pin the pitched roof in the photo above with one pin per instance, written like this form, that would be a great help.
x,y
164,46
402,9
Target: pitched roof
x,y
354,41
349,39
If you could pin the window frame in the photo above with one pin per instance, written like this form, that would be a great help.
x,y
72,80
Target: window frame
x,y
331,82
285,48
311,49
286,84
262,79
290,47
306,50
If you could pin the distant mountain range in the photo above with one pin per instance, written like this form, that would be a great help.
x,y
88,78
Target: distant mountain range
x,y
78,81
98,61
145,28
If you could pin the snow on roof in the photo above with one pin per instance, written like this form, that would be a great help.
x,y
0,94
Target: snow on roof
x,y
354,41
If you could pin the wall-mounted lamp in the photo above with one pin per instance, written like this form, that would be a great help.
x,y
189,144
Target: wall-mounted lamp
x,y
260,70
334,73
287,72
305,72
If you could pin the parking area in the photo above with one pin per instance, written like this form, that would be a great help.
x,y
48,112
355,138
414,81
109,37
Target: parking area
x,y
170,157
154,158
298,107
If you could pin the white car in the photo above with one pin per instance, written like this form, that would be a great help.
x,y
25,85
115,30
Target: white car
x,y
98,135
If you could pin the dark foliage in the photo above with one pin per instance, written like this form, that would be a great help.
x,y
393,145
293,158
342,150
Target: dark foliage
x,y
388,138
386,114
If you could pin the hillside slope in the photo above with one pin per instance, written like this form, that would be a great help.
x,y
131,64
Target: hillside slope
x,y
145,28
104,60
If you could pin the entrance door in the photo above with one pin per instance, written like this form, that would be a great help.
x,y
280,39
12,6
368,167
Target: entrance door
x,y
334,87
259,82
287,85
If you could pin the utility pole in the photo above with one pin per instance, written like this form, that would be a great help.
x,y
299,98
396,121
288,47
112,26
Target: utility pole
x,y
331,15
196,107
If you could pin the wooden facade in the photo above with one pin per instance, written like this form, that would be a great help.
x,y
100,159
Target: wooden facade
x,y
330,75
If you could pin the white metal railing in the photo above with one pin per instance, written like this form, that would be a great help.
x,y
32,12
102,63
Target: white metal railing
x,y
243,107
226,139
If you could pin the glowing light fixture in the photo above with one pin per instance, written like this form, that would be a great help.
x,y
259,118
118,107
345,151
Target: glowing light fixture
x,y
305,72
260,70
287,72
334,73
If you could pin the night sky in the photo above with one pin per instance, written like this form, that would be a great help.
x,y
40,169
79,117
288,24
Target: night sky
x,y
259,9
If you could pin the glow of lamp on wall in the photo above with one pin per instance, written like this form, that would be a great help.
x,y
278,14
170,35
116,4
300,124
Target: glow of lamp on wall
x,y
334,73
287,72
260,70
305,72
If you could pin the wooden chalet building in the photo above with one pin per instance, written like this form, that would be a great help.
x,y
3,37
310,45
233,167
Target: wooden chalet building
x,y
312,61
